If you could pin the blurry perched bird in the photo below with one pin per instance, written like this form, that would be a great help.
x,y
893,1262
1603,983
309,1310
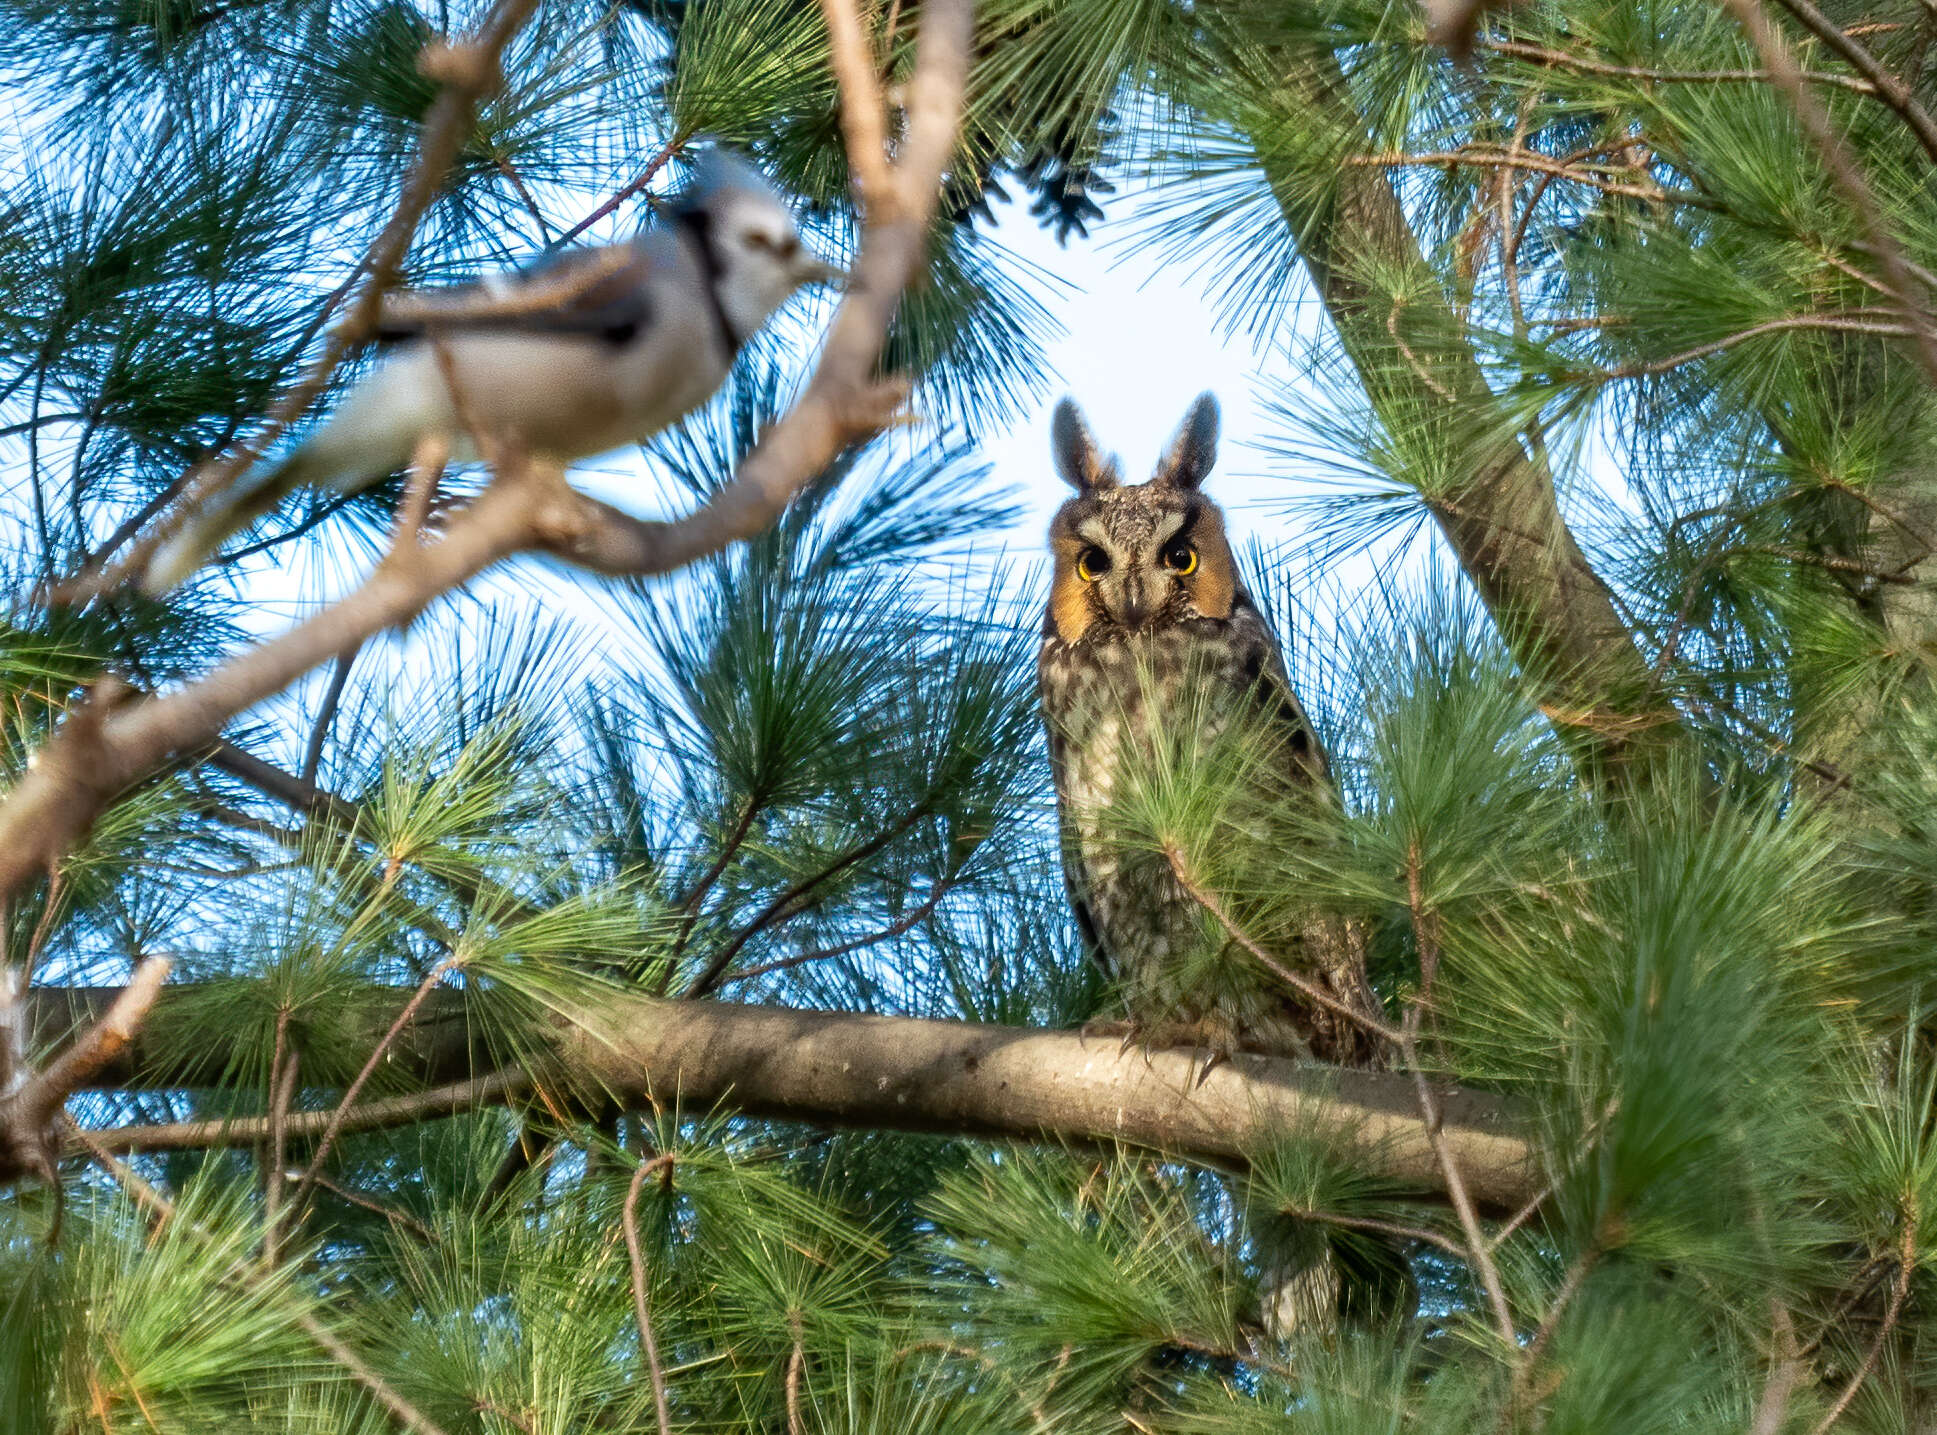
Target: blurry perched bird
x,y
584,352
1150,635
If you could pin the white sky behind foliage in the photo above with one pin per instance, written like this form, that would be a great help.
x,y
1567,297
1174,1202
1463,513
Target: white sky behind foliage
x,y
1139,343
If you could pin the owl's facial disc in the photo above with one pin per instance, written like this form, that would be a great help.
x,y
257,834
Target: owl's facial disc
x,y
1129,560
1135,571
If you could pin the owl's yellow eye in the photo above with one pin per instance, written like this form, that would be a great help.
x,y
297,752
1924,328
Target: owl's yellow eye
x,y
1092,564
1181,559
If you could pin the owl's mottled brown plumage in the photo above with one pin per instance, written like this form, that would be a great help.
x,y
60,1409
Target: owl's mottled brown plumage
x,y
1150,630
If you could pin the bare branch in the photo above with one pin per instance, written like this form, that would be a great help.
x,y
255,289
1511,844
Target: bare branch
x,y
1303,985
454,1099
1886,86
1539,164
862,123
350,1093
1562,59
28,1112
641,1296
1785,1373
638,182
1899,1292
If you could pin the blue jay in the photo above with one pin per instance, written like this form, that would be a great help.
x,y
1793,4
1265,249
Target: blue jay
x,y
585,352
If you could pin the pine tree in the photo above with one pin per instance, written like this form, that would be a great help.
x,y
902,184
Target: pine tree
x,y
648,1002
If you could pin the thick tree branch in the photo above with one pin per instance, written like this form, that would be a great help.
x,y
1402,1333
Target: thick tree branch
x,y
1500,511
900,1073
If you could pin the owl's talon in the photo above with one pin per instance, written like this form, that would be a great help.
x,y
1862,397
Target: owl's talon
x,y
1218,1057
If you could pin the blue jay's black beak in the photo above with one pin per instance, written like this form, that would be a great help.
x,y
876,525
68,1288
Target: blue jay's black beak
x,y
812,269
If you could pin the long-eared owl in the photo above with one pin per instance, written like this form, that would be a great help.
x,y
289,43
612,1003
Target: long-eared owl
x,y
1150,631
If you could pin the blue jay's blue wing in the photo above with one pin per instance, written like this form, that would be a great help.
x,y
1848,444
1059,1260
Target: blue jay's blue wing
x,y
592,293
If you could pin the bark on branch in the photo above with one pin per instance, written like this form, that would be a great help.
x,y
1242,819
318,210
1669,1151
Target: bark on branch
x,y
904,1074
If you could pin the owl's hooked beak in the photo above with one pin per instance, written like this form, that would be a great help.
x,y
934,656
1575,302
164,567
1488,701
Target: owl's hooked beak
x,y
1141,598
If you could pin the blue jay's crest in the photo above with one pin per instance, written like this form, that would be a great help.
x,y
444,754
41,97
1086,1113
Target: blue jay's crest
x,y
718,171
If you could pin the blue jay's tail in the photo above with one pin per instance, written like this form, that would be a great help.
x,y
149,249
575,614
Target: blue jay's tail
x,y
257,493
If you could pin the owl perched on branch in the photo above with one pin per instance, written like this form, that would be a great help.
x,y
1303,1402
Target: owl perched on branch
x,y
1153,650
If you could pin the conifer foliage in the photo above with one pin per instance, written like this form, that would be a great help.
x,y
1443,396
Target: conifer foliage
x,y
650,1003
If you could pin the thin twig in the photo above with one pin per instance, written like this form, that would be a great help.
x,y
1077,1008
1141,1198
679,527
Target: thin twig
x,y
1520,1217
641,1296
283,1065
517,183
1833,323
888,933
350,1092
783,906
1899,1292
1430,1111
1562,59
1570,1285
1844,171
453,1099
1307,988
1479,159
319,734
1384,1228
625,192
689,905
49,908
163,1210
377,1208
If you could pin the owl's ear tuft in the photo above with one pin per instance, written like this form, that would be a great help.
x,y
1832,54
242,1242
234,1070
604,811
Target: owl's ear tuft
x,y
1188,460
1083,466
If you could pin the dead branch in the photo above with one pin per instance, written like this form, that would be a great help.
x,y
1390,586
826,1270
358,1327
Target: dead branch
x,y
1590,175
638,182
1899,1292
1563,60
1853,323
1886,86
350,1092
641,1293
454,1099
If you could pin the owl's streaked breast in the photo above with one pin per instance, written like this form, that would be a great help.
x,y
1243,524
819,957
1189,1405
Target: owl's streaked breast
x,y
1106,703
